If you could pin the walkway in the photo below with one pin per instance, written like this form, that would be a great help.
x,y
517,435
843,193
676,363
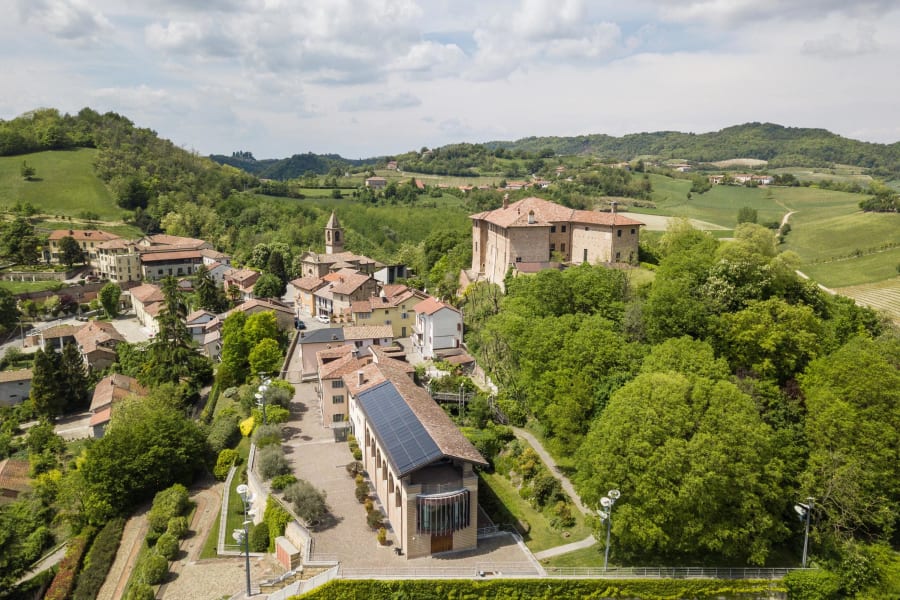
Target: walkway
x,y
569,489
132,539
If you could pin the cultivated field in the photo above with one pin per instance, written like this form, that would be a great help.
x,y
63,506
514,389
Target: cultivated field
x,y
65,184
883,296
740,162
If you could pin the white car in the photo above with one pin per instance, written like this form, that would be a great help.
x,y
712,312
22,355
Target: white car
x,y
323,319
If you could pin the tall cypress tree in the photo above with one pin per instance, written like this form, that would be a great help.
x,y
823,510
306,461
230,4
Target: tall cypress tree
x,y
46,385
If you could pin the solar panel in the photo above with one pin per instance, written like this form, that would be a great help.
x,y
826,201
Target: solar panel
x,y
404,439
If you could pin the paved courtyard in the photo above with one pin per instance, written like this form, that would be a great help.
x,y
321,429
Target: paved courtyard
x,y
316,457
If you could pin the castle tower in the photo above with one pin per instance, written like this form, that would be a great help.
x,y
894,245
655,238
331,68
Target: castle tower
x,y
334,236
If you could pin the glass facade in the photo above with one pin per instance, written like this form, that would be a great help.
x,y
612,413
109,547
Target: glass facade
x,y
442,513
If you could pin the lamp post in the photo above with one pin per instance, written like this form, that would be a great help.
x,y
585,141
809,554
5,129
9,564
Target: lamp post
x,y
605,513
243,491
804,511
260,395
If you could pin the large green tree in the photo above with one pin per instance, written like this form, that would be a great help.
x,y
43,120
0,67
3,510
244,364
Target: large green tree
x,y
697,468
208,295
109,296
148,446
268,286
47,393
70,252
9,313
853,428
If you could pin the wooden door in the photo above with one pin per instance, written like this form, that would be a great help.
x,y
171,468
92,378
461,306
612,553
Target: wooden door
x,y
441,543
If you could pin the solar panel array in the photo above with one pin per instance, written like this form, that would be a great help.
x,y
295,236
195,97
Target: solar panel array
x,y
403,437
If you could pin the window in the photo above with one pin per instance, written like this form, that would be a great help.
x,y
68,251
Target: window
x,y
618,256
587,228
553,229
632,231
618,233
337,383
563,228
518,259
338,418
339,399
403,315
562,247
552,247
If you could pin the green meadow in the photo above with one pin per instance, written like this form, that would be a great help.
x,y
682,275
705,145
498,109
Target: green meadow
x,y
65,184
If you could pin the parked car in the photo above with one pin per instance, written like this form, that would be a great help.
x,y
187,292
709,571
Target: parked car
x,y
323,319
298,324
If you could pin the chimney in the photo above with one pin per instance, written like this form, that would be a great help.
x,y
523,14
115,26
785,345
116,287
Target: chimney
x,y
614,205
531,217
360,378
506,200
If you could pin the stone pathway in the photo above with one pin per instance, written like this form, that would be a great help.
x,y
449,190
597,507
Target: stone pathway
x,y
132,538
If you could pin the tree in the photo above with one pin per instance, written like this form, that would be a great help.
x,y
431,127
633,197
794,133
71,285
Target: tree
x,y
70,251
746,215
73,377
269,286
9,314
27,171
853,428
308,501
47,393
110,295
260,326
147,447
697,468
266,357
209,296
275,266
234,368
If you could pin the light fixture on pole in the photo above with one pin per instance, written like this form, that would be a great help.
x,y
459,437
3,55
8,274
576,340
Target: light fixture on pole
x,y
239,535
606,515
260,396
804,511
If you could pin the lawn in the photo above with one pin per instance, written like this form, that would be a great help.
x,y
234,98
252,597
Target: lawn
x,y
125,231
20,287
586,557
65,184
884,295
235,517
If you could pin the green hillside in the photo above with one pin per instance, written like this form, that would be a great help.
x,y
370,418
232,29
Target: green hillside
x,y
65,184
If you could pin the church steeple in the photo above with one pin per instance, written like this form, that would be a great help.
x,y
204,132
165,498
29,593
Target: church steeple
x,y
334,236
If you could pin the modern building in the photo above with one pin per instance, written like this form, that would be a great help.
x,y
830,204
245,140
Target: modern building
x,y
533,230
419,464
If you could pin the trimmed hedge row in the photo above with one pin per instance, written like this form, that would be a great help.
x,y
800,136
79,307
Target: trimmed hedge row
x,y
99,559
62,584
276,520
544,589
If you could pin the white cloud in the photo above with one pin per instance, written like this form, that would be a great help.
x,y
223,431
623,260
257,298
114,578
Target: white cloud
x,y
380,102
69,20
839,45
732,13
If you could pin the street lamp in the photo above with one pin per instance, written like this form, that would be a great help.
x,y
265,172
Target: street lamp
x,y
605,513
260,396
243,491
804,511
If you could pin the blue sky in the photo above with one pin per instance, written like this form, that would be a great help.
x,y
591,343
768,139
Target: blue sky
x,y
363,78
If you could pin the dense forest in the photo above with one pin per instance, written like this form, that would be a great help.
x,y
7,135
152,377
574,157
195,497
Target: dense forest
x,y
289,168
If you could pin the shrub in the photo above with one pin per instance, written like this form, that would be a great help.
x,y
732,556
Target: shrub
x,y
562,515
64,581
259,538
308,501
152,569
370,506
812,585
362,492
374,520
98,560
382,536
267,434
140,591
272,462
223,464
274,414
223,433
171,502
167,545
357,454
178,526
282,481
545,488
354,468
247,426
276,519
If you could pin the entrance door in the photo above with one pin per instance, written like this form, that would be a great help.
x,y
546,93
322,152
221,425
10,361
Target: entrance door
x,y
441,543
403,331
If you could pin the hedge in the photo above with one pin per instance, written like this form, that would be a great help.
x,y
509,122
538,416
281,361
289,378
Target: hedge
x,y
64,582
99,559
224,462
167,545
168,503
545,589
276,519
140,591
152,568
812,585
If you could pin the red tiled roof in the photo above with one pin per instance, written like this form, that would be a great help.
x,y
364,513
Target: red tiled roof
x,y
113,388
82,235
147,293
96,333
14,475
431,305
548,213
308,284
17,375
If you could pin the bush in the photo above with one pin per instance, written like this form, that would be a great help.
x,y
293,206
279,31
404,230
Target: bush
x,y
382,536
812,585
308,501
282,481
259,538
167,545
64,581
266,435
247,426
357,454
171,502
140,591
370,506
362,492
276,519
98,560
223,433
374,520
152,568
272,462
178,526
545,488
562,515
354,468
224,462
274,414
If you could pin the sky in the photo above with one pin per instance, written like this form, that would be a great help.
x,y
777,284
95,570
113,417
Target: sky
x,y
378,77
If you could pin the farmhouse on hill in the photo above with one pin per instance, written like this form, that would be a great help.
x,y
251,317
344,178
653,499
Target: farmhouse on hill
x,y
533,230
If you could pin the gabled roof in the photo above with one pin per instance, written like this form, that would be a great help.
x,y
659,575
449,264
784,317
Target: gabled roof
x,y
155,257
60,331
96,333
14,475
412,429
17,375
368,332
242,276
546,214
199,314
213,254
308,284
162,239
147,293
431,305
322,336
82,235
348,283
113,388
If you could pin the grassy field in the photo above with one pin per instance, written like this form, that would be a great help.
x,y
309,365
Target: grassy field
x,y
20,287
841,173
882,296
125,231
65,184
